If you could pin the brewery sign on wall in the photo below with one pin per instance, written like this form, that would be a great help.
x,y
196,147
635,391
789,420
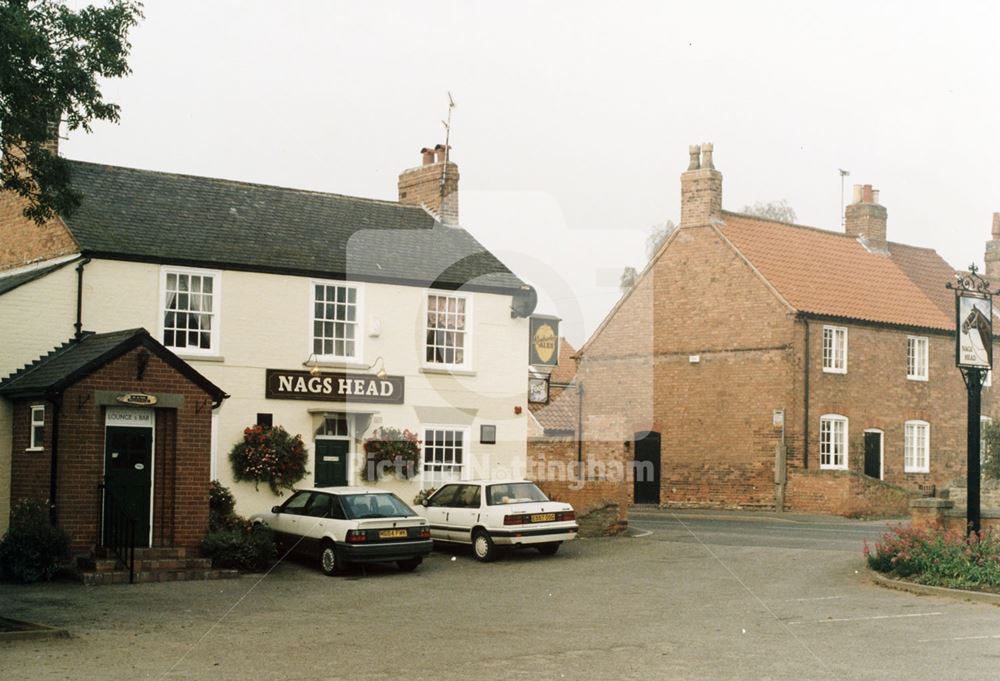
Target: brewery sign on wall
x,y
544,341
333,387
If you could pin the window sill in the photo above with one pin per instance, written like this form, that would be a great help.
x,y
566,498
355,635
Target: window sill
x,y
833,468
35,449
201,358
430,369
913,472
338,364
835,371
920,379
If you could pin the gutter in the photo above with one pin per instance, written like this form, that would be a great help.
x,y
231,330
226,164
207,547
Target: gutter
x,y
56,401
805,401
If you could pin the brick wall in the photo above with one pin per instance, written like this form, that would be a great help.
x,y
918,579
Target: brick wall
x,y
181,454
846,493
23,242
421,186
601,499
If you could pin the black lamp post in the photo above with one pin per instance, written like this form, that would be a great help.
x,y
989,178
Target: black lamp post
x,y
973,357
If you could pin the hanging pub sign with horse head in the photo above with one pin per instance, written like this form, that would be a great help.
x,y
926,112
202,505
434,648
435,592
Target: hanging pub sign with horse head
x,y
974,321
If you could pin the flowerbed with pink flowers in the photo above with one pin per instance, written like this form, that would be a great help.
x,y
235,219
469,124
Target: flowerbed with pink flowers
x,y
938,557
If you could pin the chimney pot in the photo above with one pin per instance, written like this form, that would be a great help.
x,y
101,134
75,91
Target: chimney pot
x,y
875,196
441,152
706,156
427,156
866,194
996,225
695,151
856,194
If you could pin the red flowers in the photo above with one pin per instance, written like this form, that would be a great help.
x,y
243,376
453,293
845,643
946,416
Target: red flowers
x,y
269,455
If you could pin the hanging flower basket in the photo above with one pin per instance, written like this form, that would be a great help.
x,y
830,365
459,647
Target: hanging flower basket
x,y
391,450
269,455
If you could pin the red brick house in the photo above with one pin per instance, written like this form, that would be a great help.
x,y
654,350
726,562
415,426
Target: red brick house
x,y
745,333
114,423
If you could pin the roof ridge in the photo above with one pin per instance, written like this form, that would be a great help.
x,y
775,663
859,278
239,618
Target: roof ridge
x,y
788,224
245,183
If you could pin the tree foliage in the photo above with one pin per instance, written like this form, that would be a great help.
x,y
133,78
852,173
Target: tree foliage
x,y
657,235
772,210
51,58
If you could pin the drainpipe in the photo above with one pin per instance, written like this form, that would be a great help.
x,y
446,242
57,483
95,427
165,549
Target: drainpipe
x,y
579,432
56,402
805,403
79,299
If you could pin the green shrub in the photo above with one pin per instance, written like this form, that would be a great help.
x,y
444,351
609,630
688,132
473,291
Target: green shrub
x,y
221,505
938,557
32,548
241,546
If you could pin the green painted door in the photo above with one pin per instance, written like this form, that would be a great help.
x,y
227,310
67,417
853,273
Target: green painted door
x,y
128,472
331,462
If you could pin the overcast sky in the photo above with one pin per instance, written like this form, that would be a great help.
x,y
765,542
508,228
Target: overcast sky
x,y
573,119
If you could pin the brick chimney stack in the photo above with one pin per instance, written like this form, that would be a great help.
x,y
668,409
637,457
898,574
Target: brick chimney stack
x,y
992,272
865,218
433,185
701,188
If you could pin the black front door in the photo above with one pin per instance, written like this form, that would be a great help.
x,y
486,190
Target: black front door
x,y
647,468
128,471
331,462
873,455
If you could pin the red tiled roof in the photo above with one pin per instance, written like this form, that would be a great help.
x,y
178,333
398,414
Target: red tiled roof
x,y
566,369
559,414
833,274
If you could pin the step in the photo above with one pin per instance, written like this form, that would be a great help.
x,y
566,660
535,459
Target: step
x,y
154,553
146,564
95,578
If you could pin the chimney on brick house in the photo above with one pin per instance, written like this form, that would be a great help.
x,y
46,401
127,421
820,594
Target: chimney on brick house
x,y
865,218
992,272
701,188
433,185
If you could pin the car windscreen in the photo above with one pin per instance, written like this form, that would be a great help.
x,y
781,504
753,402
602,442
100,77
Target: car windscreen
x,y
514,493
358,506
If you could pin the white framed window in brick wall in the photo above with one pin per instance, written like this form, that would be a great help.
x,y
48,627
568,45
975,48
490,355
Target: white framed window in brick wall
x,y
916,358
835,349
337,309
448,331
189,310
445,450
36,440
833,442
916,447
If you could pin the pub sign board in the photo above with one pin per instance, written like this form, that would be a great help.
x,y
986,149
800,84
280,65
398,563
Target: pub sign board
x,y
544,342
974,343
333,387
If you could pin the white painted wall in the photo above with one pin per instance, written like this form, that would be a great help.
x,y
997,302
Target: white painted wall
x,y
265,321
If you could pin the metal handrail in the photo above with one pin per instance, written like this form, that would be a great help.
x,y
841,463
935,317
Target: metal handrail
x,y
117,530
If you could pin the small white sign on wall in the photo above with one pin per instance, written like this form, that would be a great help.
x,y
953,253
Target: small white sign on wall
x,y
125,416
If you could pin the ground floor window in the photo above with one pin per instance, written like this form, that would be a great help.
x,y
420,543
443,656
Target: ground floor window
x,y
833,441
916,447
444,453
37,426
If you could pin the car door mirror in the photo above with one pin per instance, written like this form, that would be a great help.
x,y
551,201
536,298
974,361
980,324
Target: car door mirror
x,y
425,502
276,509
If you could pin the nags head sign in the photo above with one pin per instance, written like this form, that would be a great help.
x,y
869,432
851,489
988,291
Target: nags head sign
x,y
333,387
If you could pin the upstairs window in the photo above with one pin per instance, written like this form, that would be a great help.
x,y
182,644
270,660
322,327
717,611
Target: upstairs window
x,y
835,349
336,311
447,330
190,310
916,358
37,439
833,441
916,447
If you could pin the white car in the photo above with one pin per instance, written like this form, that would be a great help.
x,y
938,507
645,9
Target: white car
x,y
489,514
345,525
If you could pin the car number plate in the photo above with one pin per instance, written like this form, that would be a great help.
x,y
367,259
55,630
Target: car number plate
x,y
391,534
543,517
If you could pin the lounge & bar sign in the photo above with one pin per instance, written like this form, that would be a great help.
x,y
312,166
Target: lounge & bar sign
x,y
333,387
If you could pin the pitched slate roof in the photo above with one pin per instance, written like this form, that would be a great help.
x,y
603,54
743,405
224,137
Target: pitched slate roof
x,y
833,274
75,359
9,283
182,219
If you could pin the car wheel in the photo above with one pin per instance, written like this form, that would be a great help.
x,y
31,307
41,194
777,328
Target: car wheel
x,y
483,547
548,549
329,562
410,564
